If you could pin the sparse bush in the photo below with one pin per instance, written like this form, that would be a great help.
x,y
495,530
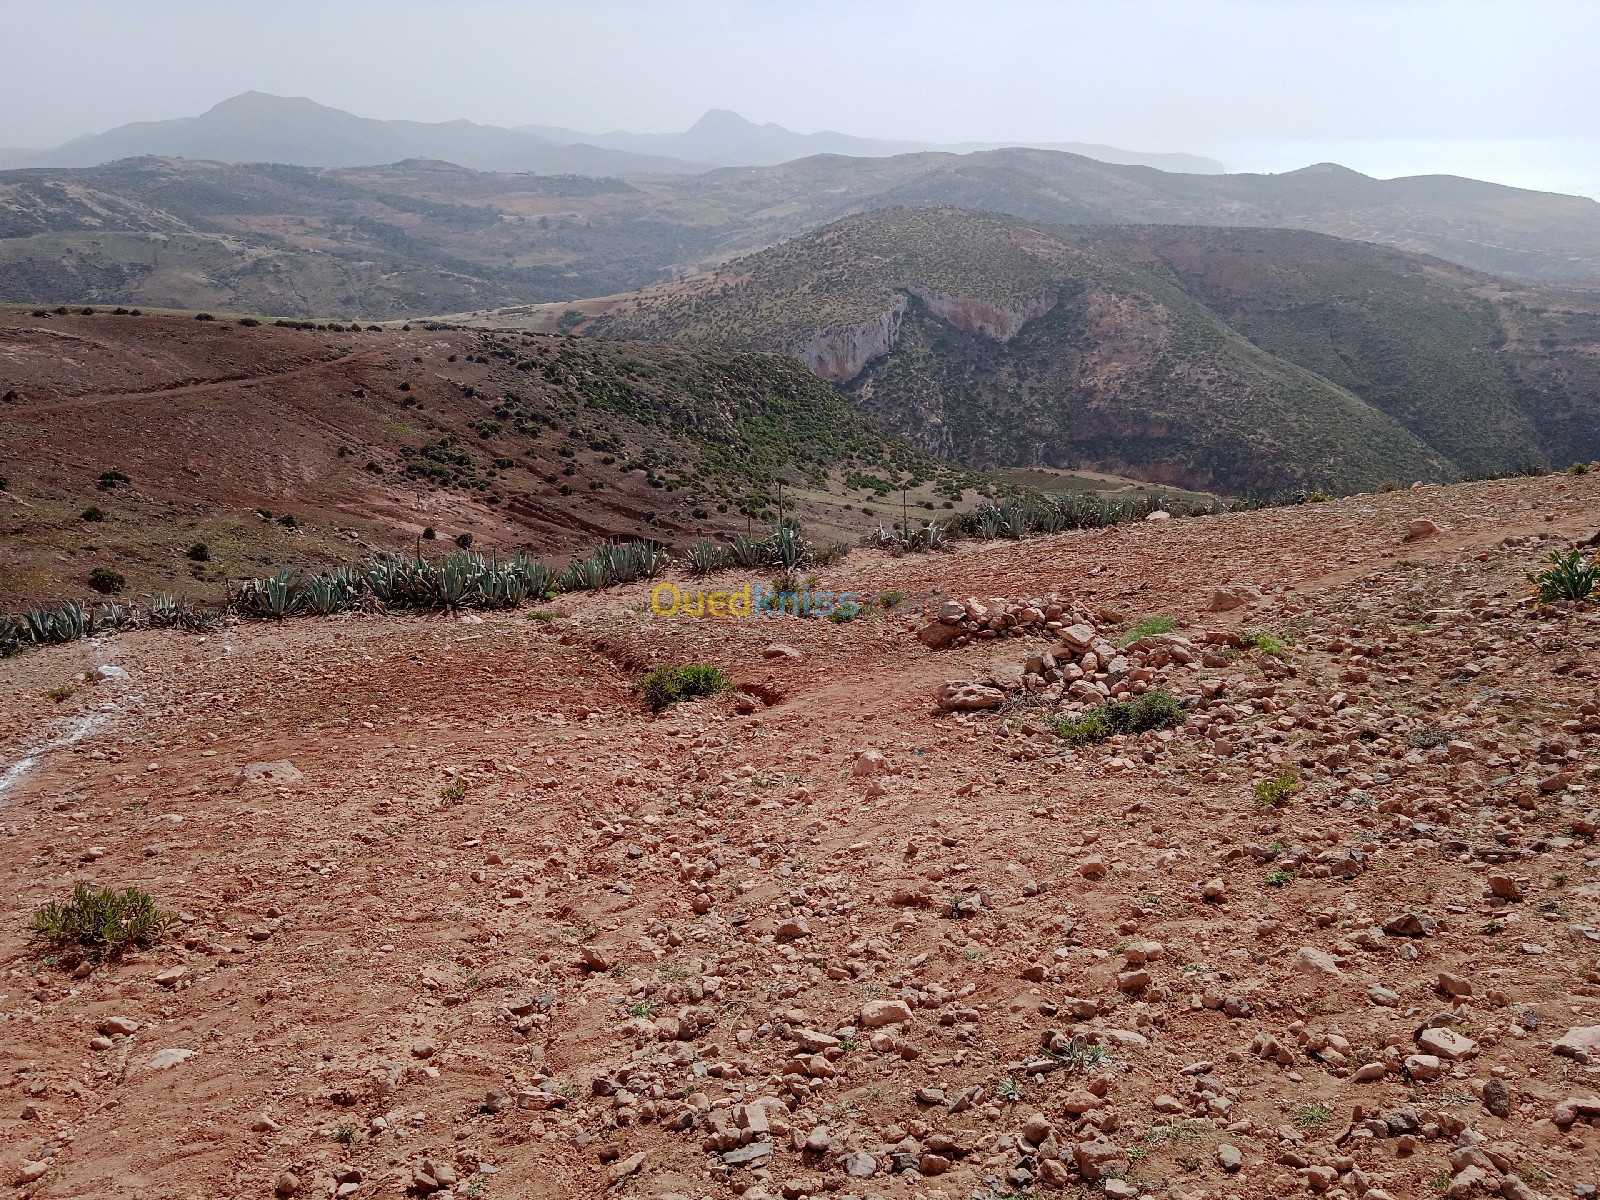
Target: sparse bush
x,y
1153,710
204,316
666,685
464,540
288,521
1278,791
93,514
248,322
109,480
199,552
1260,639
429,533
106,581
1566,577
1148,627
100,920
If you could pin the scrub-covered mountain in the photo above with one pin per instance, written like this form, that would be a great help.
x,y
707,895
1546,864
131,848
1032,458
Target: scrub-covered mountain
x,y
426,237
1232,359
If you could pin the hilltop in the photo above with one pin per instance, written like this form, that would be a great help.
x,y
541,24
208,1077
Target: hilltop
x,y
1226,359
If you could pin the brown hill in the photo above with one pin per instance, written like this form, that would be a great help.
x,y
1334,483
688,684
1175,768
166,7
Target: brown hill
x,y
127,439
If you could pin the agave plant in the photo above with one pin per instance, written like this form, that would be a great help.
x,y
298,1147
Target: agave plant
x,y
788,548
583,575
453,583
750,552
53,626
706,556
1565,577
538,579
274,598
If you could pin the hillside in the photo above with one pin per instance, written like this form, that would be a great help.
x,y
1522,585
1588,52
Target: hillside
x,y
127,439
461,914
1239,360
427,237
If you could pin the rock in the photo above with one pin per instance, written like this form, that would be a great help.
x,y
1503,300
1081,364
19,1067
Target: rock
x,y
623,1168
938,635
595,958
1383,997
858,1164
161,1060
1424,1067
1410,924
1573,1107
1371,1072
1229,1158
1159,514
118,1026
1447,1043
1036,1127
1094,1158
965,695
792,928
1466,1181
108,672
1505,887
1580,1042
1419,529
933,1164
1213,890
1454,985
1232,596
171,976
869,764
288,1184
877,1013
31,1170
281,773
1078,637
1093,867
1497,1096
1115,1189
780,650
1308,960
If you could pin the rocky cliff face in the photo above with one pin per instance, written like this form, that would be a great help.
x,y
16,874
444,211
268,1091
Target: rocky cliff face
x,y
980,316
841,354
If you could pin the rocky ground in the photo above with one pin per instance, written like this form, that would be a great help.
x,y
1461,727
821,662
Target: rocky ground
x,y
460,917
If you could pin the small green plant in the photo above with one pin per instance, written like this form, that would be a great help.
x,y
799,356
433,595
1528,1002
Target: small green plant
x,y
1311,1115
345,1134
106,581
93,514
1534,1176
102,921
641,1008
455,791
1153,710
891,600
1277,791
1010,1091
665,686
199,552
1566,577
1277,877
1260,639
1148,627
60,692
289,521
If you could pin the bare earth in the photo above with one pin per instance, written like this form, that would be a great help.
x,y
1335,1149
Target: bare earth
x,y
722,952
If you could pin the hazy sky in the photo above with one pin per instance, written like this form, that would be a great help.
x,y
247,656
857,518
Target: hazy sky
x,y
1500,90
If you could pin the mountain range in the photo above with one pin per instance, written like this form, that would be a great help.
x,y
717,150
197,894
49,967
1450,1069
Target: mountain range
x,y
257,127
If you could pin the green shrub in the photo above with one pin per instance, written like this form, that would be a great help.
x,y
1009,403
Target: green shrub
x,y
203,316
1260,639
1567,577
428,533
93,513
101,920
110,479
1148,627
106,581
665,686
248,322
1153,710
200,552
1276,792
